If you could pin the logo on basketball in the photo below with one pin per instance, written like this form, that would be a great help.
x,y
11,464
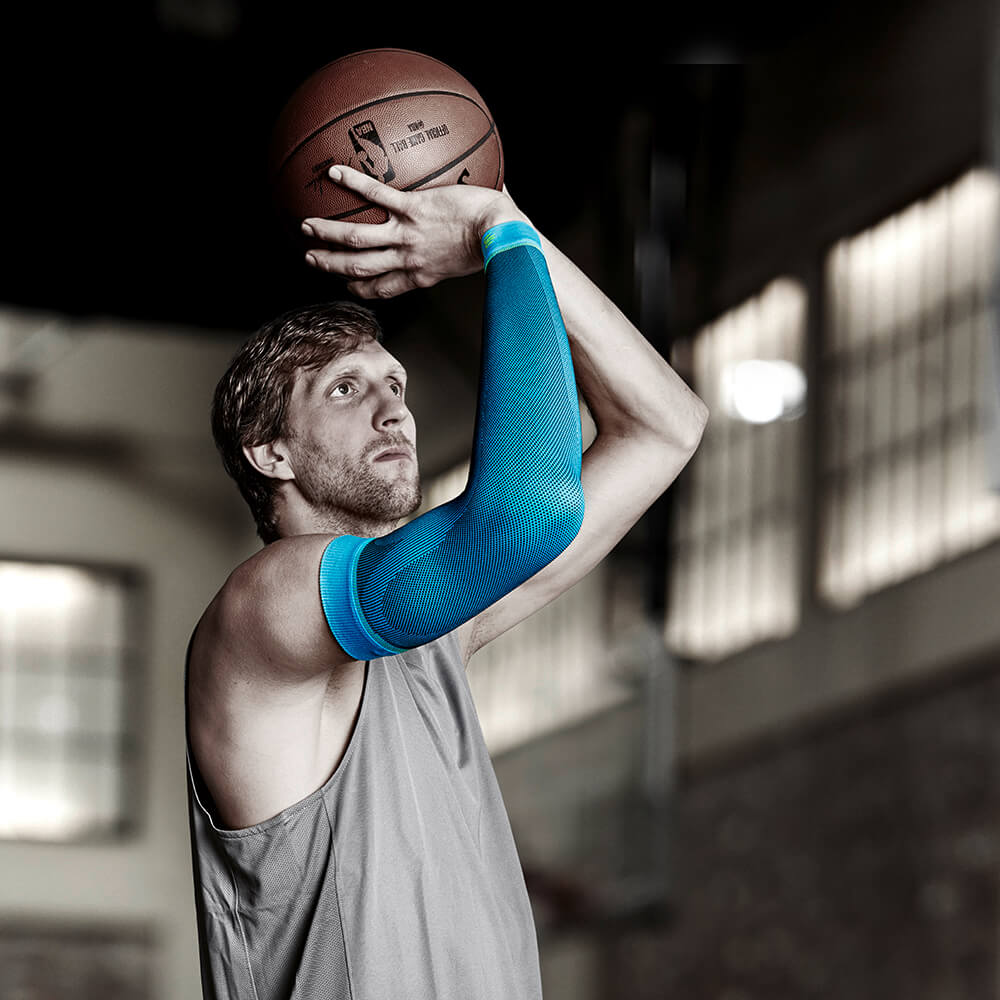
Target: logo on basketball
x,y
369,153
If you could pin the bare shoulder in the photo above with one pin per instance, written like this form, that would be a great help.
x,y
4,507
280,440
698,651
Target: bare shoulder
x,y
268,613
266,682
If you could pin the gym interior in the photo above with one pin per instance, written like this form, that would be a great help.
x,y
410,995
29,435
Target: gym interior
x,y
753,754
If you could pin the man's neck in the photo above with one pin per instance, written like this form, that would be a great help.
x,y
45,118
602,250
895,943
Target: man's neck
x,y
333,522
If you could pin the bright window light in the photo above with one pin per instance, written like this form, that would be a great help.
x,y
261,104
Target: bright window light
x,y
760,392
905,362
735,545
67,662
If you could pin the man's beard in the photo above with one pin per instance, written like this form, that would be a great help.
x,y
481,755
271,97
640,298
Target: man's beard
x,y
355,491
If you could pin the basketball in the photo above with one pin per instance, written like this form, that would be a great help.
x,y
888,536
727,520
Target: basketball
x,y
403,118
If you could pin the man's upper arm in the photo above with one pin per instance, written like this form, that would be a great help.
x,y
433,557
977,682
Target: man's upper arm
x,y
621,477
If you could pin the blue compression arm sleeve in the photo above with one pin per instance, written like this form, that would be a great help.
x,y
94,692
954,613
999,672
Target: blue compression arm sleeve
x,y
523,503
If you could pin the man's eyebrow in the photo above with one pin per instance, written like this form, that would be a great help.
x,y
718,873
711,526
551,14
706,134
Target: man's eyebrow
x,y
342,373
336,374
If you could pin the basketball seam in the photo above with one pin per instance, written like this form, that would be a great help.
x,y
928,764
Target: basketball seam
x,y
371,104
423,180
453,163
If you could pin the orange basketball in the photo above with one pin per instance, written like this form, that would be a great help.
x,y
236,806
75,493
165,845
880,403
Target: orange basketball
x,y
402,117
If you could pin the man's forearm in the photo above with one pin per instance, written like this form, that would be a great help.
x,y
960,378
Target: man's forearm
x,y
524,502
630,389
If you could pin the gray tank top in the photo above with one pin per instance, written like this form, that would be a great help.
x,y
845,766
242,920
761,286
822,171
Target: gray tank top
x,y
398,879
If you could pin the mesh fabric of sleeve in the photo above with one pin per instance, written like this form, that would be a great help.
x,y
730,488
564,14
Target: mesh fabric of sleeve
x,y
523,503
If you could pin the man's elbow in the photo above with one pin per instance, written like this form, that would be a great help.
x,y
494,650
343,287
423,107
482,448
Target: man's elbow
x,y
694,425
674,421
670,449
679,424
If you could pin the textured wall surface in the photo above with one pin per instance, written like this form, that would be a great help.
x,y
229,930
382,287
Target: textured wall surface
x,y
862,861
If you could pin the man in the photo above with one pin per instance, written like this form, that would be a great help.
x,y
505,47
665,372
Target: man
x,y
349,836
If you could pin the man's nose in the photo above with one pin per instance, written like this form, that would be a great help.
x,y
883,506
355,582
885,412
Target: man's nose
x,y
392,410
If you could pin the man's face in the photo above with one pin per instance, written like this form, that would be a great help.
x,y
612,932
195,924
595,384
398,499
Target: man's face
x,y
352,440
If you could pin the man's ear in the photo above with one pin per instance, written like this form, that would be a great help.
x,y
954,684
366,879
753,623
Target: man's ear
x,y
271,459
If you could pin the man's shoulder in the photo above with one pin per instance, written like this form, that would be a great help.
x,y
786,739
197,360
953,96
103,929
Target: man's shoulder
x,y
269,607
277,572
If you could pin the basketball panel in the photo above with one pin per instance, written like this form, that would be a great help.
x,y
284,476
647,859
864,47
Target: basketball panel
x,y
481,166
357,80
409,141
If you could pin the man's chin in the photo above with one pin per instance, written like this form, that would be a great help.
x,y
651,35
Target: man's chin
x,y
375,502
404,487
403,500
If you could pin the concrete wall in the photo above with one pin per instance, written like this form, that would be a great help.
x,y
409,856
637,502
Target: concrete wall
x,y
69,509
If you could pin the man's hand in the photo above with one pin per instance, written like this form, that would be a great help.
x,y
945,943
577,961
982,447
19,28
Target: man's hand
x,y
430,235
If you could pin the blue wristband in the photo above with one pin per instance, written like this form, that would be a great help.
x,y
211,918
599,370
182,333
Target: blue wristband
x,y
505,235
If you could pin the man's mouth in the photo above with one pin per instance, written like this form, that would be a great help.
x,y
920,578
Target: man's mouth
x,y
393,455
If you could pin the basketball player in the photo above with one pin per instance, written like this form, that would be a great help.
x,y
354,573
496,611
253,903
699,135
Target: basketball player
x,y
349,837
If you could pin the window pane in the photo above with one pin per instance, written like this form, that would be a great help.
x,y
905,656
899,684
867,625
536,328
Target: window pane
x,y
66,653
904,485
735,544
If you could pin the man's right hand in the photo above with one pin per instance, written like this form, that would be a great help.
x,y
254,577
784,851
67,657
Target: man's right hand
x,y
431,235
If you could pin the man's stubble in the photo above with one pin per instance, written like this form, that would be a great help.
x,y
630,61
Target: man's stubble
x,y
355,489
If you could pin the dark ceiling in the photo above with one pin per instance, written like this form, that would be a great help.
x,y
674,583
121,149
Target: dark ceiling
x,y
135,137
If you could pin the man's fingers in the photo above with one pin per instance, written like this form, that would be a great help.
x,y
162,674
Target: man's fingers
x,y
355,235
385,286
351,264
369,188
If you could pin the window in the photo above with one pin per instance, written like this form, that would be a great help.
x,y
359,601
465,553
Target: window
x,y
68,659
905,366
735,538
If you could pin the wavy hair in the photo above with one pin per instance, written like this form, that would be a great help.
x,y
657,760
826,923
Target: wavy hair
x,y
251,399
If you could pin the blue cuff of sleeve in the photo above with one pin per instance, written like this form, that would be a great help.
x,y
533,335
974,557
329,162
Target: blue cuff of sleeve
x,y
506,235
338,592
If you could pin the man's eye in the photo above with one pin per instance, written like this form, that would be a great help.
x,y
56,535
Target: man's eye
x,y
343,389
397,389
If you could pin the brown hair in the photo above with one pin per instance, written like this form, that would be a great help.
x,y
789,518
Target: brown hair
x,y
251,399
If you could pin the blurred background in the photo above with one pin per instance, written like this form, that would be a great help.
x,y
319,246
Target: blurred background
x,y
755,753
